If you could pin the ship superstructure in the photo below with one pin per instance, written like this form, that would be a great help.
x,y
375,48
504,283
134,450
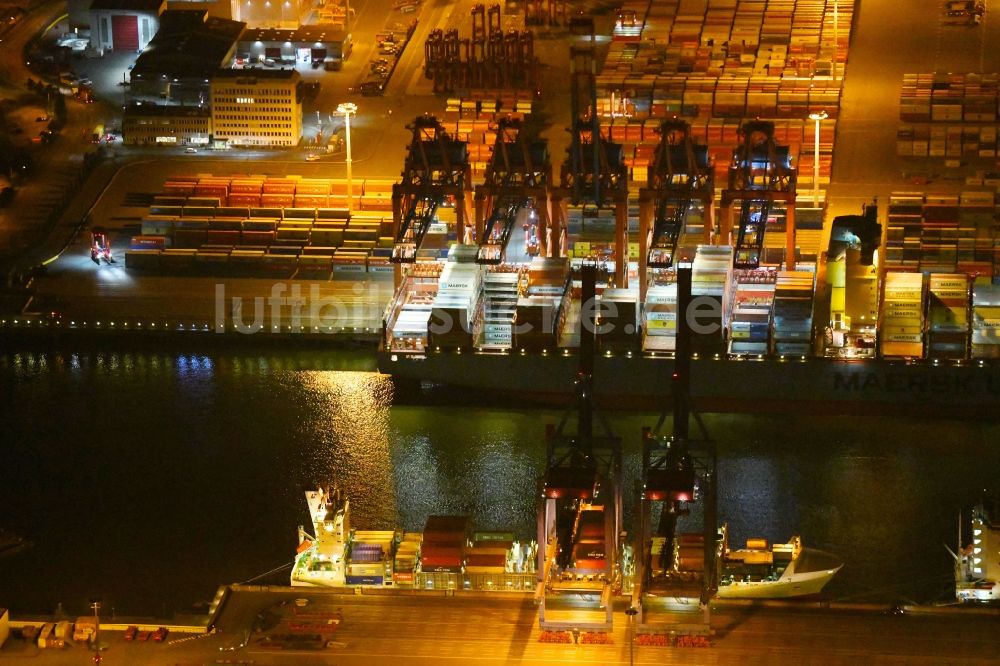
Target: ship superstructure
x,y
321,558
977,566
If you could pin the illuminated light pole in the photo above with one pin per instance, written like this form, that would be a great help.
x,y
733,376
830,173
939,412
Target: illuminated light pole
x,y
631,611
818,117
96,605
836,20
348,108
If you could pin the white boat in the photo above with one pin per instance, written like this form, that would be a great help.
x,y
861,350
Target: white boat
x,y
776,572
321,558
977,565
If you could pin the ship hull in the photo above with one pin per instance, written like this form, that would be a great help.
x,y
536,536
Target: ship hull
x,y
981,595
806,575
722,385
797,585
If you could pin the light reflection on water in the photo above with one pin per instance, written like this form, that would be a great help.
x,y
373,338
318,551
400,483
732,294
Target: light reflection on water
x,y
185,471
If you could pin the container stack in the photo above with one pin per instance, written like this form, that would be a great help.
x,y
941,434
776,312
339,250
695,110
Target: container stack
x,y
275,224
489,553
455,304
620,316
939,234
689,553
369,557
710,281
903,231
976,221
535,316
793,307
404,565
752,301
443,546
500,294
409,315
986,321
659,329
902,318
589,553
948,316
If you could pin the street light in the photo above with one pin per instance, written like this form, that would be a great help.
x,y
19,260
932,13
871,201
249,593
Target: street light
x,y
348,108
96,605
631,611
836,17
818,117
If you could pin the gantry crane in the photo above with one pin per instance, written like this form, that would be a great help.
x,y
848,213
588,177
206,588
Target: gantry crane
x,y
681,174
517,175
669,564
594,172
579,506
436,170
760,175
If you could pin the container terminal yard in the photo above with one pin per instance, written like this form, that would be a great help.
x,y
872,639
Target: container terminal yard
x,y
682,240
716,151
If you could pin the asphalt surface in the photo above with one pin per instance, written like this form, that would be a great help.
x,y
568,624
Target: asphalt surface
x,y
425,630
891,39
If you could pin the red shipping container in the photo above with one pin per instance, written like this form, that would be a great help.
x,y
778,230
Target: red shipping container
x,y
278,188
591,550
277,200
441,549
485,560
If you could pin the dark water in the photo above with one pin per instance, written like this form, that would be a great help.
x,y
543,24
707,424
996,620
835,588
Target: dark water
x,y
150,478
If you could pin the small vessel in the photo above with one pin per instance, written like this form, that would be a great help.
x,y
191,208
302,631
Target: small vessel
x,y
776,572
977,565
446,555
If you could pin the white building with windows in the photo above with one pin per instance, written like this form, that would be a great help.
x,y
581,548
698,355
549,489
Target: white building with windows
x,y
154,124
261,108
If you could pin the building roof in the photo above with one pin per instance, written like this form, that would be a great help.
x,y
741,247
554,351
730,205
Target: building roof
x,y
303,34
189,44
288,74
155,6
164,110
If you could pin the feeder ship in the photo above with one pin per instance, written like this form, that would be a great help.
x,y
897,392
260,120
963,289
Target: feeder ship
x,y
775,572
447,555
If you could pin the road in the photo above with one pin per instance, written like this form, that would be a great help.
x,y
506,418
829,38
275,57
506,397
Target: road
x,y
435,630
888,43
55,165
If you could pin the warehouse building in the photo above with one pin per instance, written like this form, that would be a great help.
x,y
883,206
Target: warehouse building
x,y
262,108
310,43
124,25
288,14
153,124
181,59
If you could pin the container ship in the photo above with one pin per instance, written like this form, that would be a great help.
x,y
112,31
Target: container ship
x,y
977,565
447,555
868,339
783,570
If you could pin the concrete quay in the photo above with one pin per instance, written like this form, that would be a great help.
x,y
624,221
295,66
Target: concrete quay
x,y
432,628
